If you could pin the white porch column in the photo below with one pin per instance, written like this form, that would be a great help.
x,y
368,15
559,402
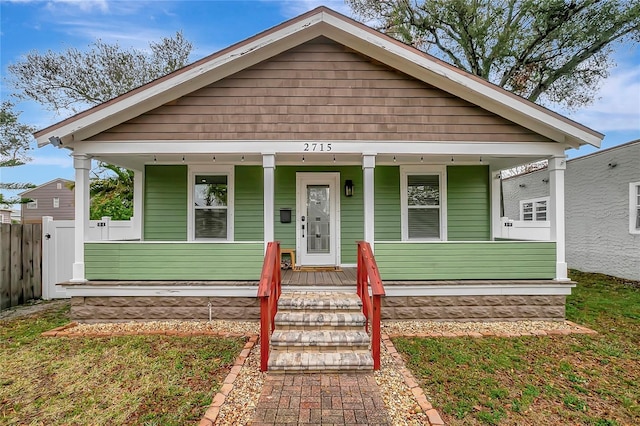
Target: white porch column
x,y
368,166
496,194
557,166
269,166
138,207
82,164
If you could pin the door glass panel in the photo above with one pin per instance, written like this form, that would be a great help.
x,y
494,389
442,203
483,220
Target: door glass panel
x,y
318,219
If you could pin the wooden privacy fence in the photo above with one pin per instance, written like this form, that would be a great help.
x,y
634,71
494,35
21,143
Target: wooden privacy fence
x,y
20,263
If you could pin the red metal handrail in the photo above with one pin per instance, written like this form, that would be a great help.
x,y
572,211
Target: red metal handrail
x,y
368,275
269,290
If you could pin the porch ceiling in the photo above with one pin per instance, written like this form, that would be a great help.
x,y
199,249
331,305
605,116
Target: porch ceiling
x,y
137,162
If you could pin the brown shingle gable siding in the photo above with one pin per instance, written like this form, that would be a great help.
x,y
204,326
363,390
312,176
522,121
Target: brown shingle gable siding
x,y
320,90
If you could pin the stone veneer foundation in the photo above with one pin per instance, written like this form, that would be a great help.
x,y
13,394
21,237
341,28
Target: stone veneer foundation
x,y
433,308
154,308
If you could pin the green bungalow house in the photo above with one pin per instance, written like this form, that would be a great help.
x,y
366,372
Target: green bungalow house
x,y
318,133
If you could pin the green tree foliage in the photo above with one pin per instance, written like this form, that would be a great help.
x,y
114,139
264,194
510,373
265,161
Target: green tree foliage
x,y
75,79
111,193
548,51
15,141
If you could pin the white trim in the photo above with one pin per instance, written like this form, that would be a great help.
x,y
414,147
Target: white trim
x,y
303,178
496,194
82,166
466,148
174,242
212,170
556,212
250,290
368,168
441,172
479,290
634,207
152,290
138,203
268,170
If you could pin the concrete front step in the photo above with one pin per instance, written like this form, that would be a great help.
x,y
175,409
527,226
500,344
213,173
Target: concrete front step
x,y
319,361
321,301
320,340
318,332
293,319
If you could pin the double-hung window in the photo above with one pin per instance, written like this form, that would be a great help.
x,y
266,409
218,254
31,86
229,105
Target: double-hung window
x,y
212,201
634,207
423,214
534,210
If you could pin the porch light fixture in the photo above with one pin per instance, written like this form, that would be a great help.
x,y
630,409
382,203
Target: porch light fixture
x,y
545,180
303,158
155,160
522,185
422,159
348,188
183,158
394,158
242,159
452,159
214,158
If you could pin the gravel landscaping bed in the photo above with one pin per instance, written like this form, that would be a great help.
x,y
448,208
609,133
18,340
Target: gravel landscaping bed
x,y
496,328
217,326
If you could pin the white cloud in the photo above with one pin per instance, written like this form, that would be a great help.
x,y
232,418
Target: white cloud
x,y
83,5
619,105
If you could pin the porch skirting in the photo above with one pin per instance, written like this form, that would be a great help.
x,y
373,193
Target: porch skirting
x,y
475,308
158,308
431,308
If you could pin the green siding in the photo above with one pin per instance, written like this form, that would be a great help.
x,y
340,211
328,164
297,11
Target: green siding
x,y
387,203
249,203
468,208
352,213
165,203
460,261
173,261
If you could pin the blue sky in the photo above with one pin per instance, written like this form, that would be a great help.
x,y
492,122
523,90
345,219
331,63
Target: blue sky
x,y
27,25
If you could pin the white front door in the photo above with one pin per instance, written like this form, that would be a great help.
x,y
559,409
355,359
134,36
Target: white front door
x,y
318,219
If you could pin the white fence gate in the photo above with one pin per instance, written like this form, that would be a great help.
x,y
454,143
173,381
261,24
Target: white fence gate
x,y
525,230
58,250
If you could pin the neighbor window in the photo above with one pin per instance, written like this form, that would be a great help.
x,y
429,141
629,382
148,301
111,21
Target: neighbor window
x,y
33,204
534,210
56,202
59,185
212,206
634,207
422,200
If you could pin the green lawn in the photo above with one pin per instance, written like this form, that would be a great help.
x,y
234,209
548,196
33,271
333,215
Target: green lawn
x,y
575,379
150,380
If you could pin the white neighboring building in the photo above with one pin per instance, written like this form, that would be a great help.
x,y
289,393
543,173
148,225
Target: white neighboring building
x,y
602,195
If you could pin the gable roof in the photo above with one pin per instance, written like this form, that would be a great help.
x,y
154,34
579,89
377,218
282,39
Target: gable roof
x,y
320,22
65,181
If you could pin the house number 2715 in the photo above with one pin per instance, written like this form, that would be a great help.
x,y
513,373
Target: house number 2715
x,y
313,147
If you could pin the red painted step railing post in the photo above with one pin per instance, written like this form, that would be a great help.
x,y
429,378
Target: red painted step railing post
x,y
368,275
269,290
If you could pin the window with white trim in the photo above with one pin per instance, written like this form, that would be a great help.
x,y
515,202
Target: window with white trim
x,y
422,204
59,185
33,204
211,215
534,209
56,202
634,207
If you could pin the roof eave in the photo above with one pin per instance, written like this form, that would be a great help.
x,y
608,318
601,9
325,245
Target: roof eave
x,y
322,21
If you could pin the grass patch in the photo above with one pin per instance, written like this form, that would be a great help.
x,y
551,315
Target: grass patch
x,y
576,379
152,380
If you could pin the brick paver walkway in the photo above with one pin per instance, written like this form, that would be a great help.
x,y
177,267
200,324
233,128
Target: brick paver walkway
x,y
321,399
